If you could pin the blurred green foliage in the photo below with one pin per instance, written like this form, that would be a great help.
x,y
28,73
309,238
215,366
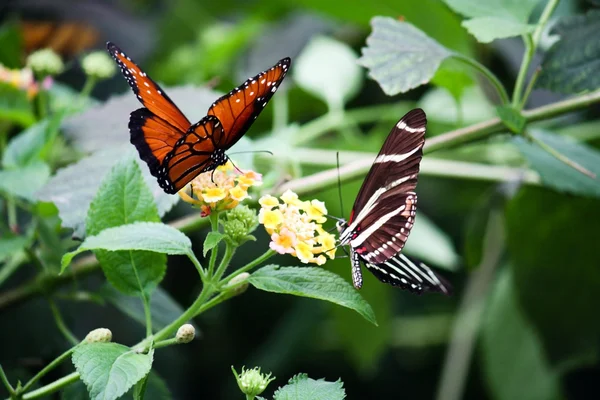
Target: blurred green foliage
x,y
510,199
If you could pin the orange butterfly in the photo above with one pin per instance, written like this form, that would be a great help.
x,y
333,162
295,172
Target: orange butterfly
x,y
177,151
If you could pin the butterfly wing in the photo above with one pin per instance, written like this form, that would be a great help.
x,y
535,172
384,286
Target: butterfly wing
x,y
175,161
384,210
410,274
148,92
238,109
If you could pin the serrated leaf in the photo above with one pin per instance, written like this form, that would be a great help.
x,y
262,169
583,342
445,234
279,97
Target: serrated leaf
x,y
163,308
29,146
488,29
514,362
454,77
327,69
315,283
109,370
124,198
511,118
399,56
554,260
555,173
211,241
495,19
26,181
148,236
72,188
156,388
571,64
301,387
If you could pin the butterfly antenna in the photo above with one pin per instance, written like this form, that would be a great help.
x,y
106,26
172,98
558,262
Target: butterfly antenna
x,y
212,175
235,166
252,151
337,157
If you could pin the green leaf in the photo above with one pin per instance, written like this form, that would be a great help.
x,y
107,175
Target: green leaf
x,y
571,64
551,240
301,387
399,56
73,188
109,370
514,361
327,69
512,118
156,388
124,198
454,77
15,105
430,244
488,211
148,236
211,241
555,173
164,309
488,29
312,282
495,19
26,181
31,145
10,246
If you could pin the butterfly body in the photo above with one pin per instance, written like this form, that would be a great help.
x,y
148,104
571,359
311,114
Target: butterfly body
x,y
384,212
176,150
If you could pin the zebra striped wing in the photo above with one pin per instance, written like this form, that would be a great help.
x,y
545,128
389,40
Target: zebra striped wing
x,y
384,212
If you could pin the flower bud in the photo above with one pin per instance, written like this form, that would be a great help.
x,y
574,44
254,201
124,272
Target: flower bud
x,y
239,223
100,335
98,65
239,283
185,333
45,62
251,381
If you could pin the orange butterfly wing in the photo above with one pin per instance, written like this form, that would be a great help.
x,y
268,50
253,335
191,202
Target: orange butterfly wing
x,y
238,109
148,92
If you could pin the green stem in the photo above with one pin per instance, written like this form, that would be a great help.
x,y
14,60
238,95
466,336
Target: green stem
x,y
88,86
47,369
330,121
229,250
6,383
147,313
529,87
52,387
561,157
266,255
487,73
42,100
528,56
60,323
168,330
214,224
531,43
11,209
165,343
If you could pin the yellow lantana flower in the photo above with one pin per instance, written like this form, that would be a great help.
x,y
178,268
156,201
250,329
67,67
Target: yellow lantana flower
x,y
221,189
295,227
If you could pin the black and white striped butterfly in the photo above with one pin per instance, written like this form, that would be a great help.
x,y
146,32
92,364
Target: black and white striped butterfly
x,y
384,213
